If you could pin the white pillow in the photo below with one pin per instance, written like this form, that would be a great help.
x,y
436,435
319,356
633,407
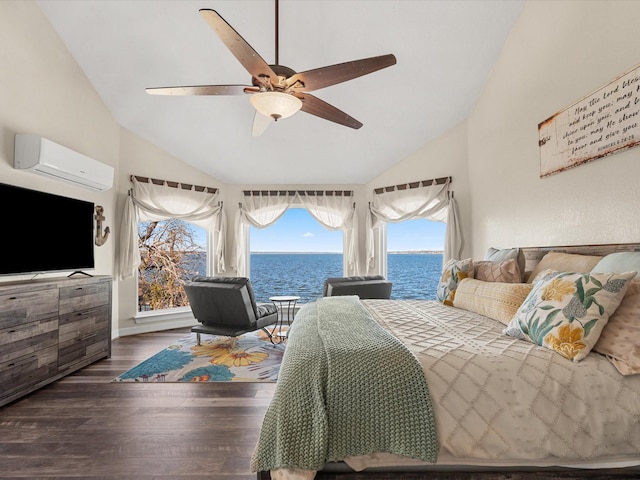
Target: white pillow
x,y
619,262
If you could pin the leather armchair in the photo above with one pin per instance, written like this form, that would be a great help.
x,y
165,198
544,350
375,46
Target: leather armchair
x,y
371,286
226,306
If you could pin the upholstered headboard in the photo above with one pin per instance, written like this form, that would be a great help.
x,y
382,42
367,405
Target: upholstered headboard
x,y
533,255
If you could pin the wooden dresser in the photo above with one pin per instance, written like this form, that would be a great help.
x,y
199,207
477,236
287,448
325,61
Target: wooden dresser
x,y
50,328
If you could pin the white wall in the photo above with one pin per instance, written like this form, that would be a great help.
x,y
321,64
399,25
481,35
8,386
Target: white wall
x,y
557,53
141,158
44,92
446,156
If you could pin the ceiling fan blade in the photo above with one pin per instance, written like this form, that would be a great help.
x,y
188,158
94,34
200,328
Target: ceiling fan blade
x,y
203,90
326,76
322,109
260,124
246,55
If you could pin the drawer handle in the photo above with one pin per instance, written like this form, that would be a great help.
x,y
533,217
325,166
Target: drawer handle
x,y
87,337
21,362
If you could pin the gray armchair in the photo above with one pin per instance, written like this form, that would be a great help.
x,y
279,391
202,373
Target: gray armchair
x,y
226,306
372,286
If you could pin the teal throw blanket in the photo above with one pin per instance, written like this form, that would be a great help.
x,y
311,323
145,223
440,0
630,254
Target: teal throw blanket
x,y
346,387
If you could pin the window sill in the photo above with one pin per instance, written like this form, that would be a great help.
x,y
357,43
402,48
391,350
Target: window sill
x,y
166,315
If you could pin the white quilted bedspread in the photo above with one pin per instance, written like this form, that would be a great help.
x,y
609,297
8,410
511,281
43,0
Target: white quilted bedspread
x,y
499,398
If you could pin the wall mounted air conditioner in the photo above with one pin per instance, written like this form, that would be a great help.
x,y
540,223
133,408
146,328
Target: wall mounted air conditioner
x,y
42,156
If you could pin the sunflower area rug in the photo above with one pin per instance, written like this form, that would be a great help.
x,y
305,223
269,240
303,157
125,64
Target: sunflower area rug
x,y
248,358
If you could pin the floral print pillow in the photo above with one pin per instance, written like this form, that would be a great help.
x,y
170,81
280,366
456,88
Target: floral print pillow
x,y
453,272
566,312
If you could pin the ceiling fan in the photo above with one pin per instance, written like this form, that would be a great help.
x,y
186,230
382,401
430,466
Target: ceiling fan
x,y
278,91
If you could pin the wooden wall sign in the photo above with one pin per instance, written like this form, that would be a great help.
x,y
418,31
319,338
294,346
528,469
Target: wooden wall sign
x,y
604,122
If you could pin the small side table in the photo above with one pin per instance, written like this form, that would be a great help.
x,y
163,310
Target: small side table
x,y
282,303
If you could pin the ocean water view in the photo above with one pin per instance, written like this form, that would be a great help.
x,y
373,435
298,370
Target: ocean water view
x,y
414,275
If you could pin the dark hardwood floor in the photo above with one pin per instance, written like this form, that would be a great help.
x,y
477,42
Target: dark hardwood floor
x,y
84,426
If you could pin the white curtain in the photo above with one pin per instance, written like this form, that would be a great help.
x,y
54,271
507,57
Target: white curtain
x,y
261,210
431,202
148,202
334,212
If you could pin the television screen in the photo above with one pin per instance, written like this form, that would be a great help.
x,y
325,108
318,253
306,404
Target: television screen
x,y
43,232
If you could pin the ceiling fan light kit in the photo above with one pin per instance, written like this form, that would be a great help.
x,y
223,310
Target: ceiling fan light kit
x,y
278,91
276,105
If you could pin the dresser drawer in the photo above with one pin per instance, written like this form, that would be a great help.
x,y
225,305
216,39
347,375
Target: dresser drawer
x,y
27,305
27,339
83,335
82,323
18,374
84,296
50,328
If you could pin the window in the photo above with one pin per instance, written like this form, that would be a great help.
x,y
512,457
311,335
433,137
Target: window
x,y
414,257
172,251
294,257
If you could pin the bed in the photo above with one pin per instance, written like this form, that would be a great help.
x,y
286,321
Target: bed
x,y
380,389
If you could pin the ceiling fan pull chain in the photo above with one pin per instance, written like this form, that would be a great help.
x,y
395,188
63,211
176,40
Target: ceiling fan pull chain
x,y
277,34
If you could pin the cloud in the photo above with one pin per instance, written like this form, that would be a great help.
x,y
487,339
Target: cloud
x,y
308,234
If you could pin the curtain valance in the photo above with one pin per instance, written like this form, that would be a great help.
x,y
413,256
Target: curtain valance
x,y
334,210
431,200
149,202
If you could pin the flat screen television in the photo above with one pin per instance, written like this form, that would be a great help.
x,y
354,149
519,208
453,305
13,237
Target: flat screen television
x,y
43,232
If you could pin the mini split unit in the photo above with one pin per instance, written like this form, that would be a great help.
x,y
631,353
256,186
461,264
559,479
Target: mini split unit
x,y
44,157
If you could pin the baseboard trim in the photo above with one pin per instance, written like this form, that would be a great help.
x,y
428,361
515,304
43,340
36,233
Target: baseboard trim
x,y
156,327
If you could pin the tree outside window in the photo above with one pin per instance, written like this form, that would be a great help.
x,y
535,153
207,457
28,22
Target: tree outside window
x,y
172,252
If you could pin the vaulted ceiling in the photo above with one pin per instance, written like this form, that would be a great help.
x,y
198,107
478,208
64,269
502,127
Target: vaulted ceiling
x,y
445,51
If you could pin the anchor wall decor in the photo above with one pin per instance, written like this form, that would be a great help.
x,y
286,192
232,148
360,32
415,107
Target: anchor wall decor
x,y
100,238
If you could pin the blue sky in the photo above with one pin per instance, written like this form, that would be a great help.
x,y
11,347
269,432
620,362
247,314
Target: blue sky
x,y
298,231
